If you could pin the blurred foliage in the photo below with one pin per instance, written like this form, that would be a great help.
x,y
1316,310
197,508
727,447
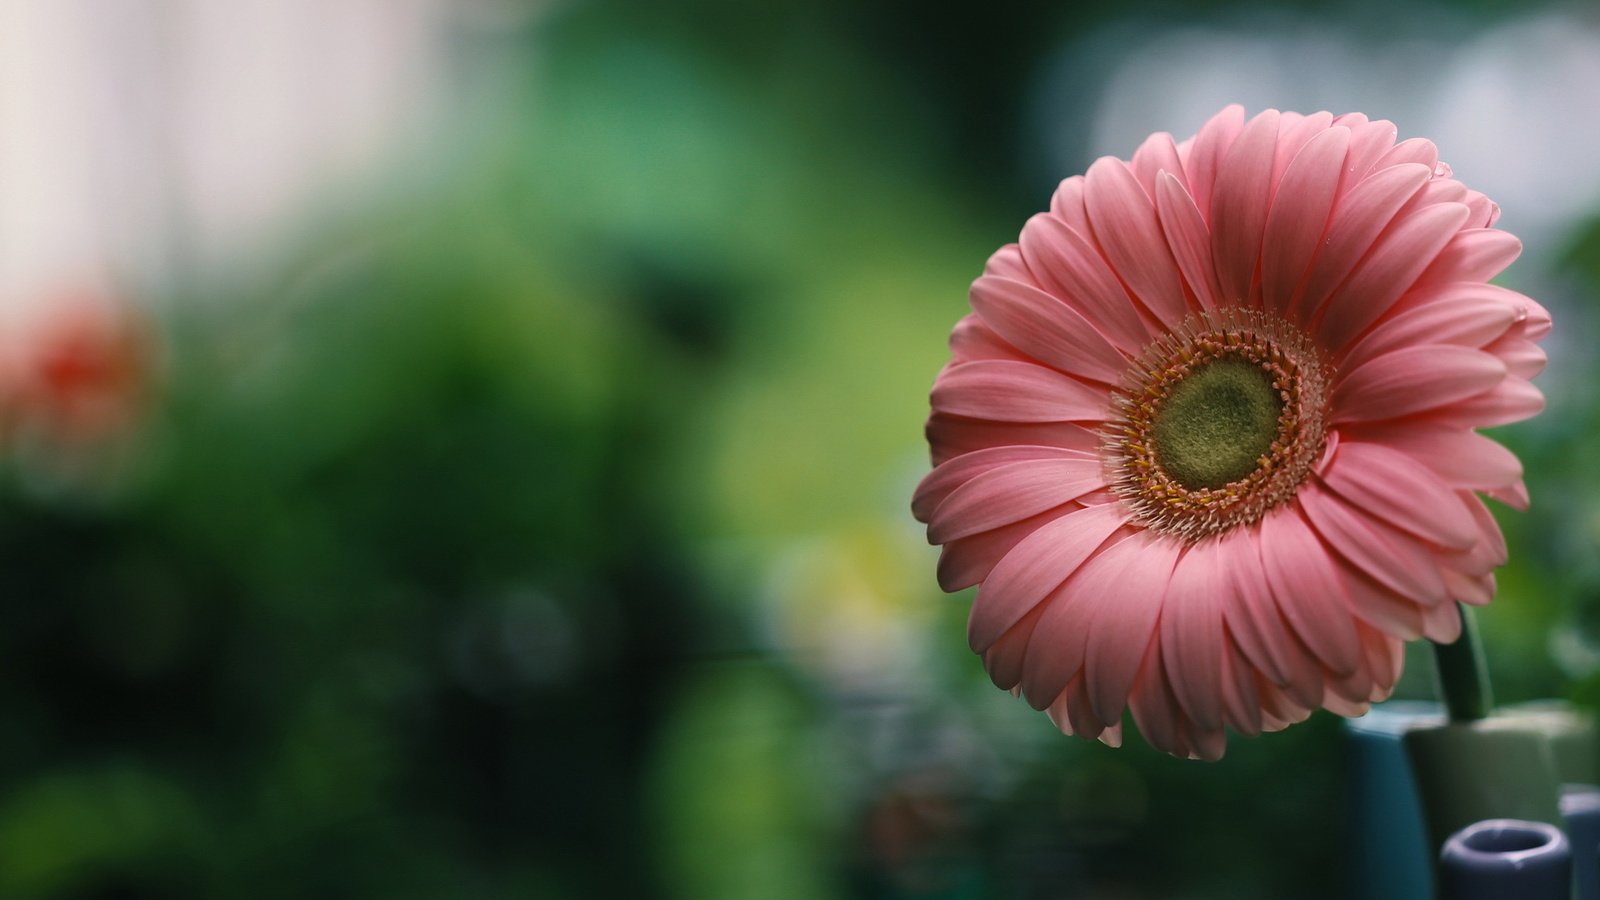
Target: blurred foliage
x,y
543,532
381,532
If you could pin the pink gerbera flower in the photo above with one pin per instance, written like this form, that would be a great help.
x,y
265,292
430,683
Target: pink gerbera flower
x,y
1206,442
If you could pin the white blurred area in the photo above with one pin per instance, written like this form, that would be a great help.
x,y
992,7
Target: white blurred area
x,y
1514,109
143,141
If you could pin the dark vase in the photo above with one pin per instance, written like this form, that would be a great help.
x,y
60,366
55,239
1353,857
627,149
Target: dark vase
x,y
1580,805
1500,859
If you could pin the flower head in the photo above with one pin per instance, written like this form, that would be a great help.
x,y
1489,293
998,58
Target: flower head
x,y
1206,442
75,372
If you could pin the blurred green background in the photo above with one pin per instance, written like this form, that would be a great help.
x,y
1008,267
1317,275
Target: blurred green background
x,y
530,518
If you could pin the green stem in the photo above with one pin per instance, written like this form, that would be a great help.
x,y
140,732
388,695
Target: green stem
x,y
1463,674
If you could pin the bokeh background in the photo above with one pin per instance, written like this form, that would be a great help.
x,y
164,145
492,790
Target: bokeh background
x,y
462,448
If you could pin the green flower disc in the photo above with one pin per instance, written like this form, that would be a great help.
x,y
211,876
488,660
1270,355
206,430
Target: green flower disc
x,y
1217,423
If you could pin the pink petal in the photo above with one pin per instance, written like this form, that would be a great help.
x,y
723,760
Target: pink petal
x,y
1278,709
1397,562
1489,584
1007,391
1379,606
1392,486
1477,590
1211,145
1249,612
1067,204
1391,267
1459,314
1188,239
1355,691
950,436
1512,400
1063,642
1007,263
1490,529
1012,492
1485,212
1335,702
1192,635
1439,190
1046,329
1057,711
1157,154
1112,736
1464,459
1413,150
1306,588
1239,206
1294,133
1155,709
1074,270
1523,358
967,561
1533,318
1003,660
1079,711
1514,496
1060,712
948,476
1443,624
1490,551
1386,657
1358,218
1240,700
1306,685
972,340
1126,228
1412,380
1369,141
1299,213
1035,567
1474,254
1205,744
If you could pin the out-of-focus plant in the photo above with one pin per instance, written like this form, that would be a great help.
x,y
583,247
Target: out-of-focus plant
x,y
79,370
342,631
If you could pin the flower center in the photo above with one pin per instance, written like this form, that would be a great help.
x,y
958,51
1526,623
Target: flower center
x,y
1217,422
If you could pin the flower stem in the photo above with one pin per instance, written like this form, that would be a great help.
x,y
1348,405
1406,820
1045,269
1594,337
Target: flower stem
x,y
1463,674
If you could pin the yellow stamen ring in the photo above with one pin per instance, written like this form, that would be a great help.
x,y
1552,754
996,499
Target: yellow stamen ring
x,y
1217,422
